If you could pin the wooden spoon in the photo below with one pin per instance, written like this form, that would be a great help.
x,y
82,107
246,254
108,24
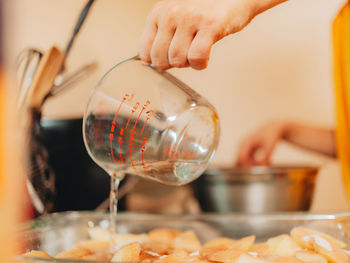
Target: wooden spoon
x,y
49,67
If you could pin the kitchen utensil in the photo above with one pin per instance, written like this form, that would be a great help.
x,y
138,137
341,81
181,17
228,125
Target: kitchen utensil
x,y
78,25
256,189
40,173
66,81
146,122
40,177
26,65
57,232
44,77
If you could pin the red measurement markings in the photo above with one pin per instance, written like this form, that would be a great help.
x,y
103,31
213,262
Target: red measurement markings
x,y
143,148
131,97
111,135
133,134
111,140
132,112
120,141
133,130
143,108
149,114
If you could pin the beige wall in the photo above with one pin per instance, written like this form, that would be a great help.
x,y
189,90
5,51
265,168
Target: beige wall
x,y
279,67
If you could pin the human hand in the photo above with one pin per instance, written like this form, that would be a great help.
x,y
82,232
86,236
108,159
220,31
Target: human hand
x,y
180,33
257,148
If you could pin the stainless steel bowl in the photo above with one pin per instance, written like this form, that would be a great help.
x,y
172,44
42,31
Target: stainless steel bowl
x,y
257,189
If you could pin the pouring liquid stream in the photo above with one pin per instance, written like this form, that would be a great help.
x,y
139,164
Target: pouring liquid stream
x,y
113,203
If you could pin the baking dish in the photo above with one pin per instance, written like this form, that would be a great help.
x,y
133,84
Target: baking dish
x,y
57,232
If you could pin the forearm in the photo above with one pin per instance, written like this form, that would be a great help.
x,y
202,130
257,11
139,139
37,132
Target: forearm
x,y
259,6
311,138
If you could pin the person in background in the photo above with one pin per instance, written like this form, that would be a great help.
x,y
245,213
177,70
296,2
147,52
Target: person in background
x,y
257,148
180,33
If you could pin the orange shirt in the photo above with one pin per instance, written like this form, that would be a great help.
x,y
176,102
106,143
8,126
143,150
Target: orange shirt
x,y
8,178
341,45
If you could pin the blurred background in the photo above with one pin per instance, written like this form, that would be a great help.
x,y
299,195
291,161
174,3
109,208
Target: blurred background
x,y
279,67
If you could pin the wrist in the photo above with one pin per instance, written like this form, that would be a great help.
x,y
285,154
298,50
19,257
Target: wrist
x,y
286,130
259,6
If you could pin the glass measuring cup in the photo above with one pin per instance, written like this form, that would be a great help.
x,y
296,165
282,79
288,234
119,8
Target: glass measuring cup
x,y
146,122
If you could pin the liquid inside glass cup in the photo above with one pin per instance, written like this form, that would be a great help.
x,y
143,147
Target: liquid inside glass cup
x,y
148,123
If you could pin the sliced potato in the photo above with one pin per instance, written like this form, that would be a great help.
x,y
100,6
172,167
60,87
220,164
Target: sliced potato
x,y
243,244
335,255
99,234
165,235
197,261
178,256
148,255
128,253
246,258
219,242
260,249
36,254
160,248
225,256
304,236
215,245
98,257
283,246
309,256
94,246
278,259
188,241
76,253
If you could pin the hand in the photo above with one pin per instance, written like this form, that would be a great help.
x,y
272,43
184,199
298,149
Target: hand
x,y
180,33
259,146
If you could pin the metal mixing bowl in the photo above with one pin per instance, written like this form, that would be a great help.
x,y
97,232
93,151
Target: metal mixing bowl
x,y
256,189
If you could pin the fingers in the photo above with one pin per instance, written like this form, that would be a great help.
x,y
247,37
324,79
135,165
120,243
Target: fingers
x,y
254,153
160,47
264,156
147,39
165,44
198,54
179,47
246,153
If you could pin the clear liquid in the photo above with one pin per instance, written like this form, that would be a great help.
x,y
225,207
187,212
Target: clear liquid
x,y
169,172
113,204
171,152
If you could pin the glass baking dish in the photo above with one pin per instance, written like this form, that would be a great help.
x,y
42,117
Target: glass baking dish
x,y
57,232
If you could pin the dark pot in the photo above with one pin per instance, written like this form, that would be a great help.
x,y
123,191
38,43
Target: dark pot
x,y
80,183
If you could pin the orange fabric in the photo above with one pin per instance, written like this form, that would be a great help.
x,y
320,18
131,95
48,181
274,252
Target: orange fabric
x,y
7,191
341,45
